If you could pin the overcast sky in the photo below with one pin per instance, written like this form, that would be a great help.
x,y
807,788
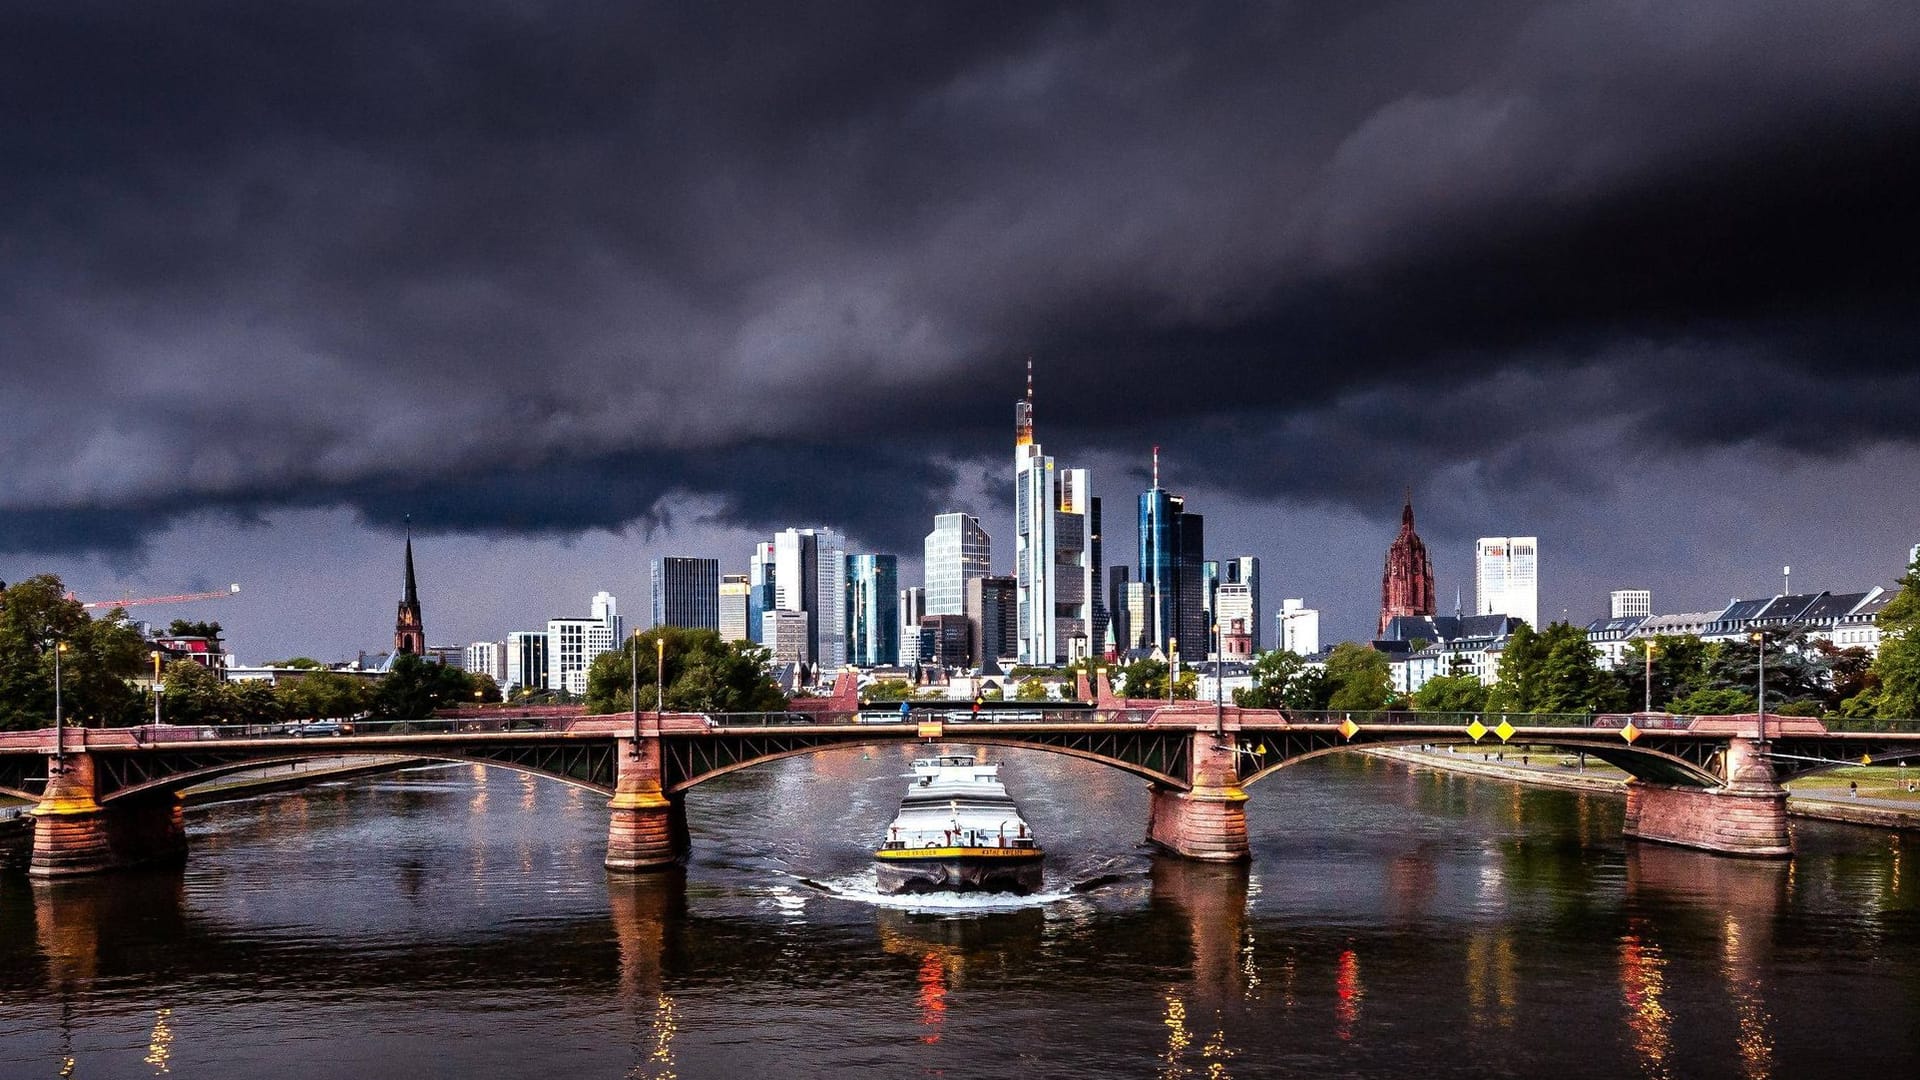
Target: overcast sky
x,y
578,285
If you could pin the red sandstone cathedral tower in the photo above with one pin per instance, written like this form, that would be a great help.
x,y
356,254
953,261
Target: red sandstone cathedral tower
x,y
1406,588
409,635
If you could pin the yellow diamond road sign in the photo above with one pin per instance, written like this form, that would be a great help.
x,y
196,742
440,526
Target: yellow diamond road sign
x,y
1866,759
1477,730
1629,732
1348,727
1505,731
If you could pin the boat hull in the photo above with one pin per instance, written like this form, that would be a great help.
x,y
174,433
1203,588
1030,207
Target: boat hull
x,y
1018,874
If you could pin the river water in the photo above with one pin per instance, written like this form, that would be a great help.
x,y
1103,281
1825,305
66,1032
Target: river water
x,y
456,922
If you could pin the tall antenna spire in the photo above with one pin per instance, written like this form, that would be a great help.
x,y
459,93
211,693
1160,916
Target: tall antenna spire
x,y
1023,413
1156,467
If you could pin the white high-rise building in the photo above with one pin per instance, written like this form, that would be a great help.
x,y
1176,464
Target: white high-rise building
x,y
810,575
958,550
1629,604
573,643
1233,618
1053,568
913,604
1299,627
488,658
1506,577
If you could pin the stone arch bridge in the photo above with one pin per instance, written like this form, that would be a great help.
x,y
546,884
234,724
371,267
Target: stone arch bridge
x,y
111,798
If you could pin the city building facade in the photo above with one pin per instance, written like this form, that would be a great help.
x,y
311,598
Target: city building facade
x,y
1506,577
1629,603
992,623
488,658
957,551
810,570
1173,568
913,607
686,592
761,595
873,610
1299,627
735,592
1245,570
526,660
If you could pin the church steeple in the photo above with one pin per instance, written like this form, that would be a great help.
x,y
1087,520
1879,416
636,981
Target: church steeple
x,y
409,633
1406,586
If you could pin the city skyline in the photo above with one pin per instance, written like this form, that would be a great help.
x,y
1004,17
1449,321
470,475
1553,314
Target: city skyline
x,y
1597,275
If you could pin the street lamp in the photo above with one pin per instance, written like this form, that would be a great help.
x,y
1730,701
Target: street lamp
x,y
1219,676
59,721
1650,647
1173,665
659,675
156,687
633,695
1760,641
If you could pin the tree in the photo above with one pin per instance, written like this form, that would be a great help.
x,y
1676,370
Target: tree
x,y
192,694
414,688
1518,686
324,695
888,690
1898,666
183,628
703,674
1361,678
1451,694
1031,690
1569,678
1708,702
1273,672
101,655
1145,678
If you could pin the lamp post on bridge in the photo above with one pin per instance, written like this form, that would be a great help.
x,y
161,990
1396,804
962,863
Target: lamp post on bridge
x,y
1650,648
59,721
1760,642
1219,678
156,688
633,693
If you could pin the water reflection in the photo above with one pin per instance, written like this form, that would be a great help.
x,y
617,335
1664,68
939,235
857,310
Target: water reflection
x,y
1492,985
160,1042
1643,986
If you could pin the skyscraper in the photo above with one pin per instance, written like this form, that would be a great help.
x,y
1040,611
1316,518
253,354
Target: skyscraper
x,y
809,575
1299,627
1119,625
572,643
1506,577
1233,614
958,550
992,621
1406,586
761,593
873,610
1173,569
1245,570
686,592
1097,640
1053,575
734,592
913,606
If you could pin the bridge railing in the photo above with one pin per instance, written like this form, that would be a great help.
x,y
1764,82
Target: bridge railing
x,y
1492,720
1851,724
883,716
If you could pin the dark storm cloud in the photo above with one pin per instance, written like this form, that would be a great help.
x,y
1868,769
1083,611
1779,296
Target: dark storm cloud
x,y
530,268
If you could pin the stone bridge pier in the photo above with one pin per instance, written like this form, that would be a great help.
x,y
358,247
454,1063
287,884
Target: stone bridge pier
x,y
1746,816
1209,821
647,829
74,834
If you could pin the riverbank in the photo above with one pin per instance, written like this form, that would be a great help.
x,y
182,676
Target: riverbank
x,y
1882,813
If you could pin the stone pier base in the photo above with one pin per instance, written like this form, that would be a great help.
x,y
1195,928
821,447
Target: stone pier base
x,y
1725,820
1207,823
73,834
646,828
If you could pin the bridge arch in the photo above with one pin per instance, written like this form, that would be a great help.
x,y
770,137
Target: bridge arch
x,y
1157,756
125,778
1642,762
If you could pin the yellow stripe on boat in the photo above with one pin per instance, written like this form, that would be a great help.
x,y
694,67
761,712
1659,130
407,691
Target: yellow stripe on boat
x,y
908,854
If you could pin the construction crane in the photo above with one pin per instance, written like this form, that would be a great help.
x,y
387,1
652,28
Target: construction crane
x,y
181,598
